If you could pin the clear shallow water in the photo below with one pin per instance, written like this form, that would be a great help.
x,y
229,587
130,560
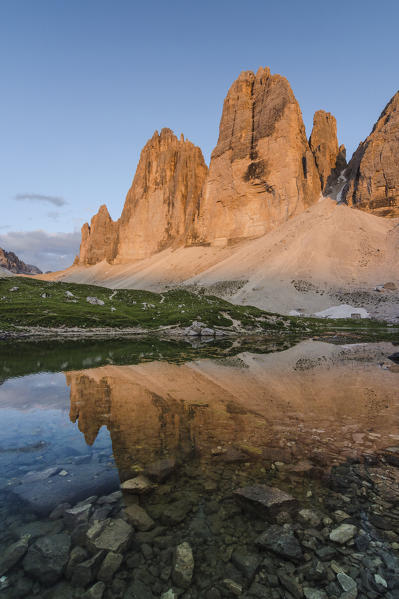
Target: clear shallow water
x,y
315,420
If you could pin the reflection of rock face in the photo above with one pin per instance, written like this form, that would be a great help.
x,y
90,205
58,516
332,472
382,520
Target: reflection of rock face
x,y
262,170
373,170
254,403
150,419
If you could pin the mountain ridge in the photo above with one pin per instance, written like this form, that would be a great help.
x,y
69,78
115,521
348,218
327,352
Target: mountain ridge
x,y
272,200
10,262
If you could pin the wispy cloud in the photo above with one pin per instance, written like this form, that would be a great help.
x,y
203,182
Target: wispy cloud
x,y
38,197
47,251
53,214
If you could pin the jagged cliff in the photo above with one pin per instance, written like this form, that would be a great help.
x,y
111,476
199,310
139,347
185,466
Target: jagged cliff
x,y
12,263
262,171
99,240
373,172
330,159
159,206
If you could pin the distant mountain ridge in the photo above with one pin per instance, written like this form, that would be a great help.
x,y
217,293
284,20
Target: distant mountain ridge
x,y
13,264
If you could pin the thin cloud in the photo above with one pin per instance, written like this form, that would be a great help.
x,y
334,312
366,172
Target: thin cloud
x,y
38,197
47,251
53,214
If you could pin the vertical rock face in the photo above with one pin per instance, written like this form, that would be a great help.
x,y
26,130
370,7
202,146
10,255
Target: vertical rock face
x,y
262,170
373,172
330,160
161,203
159,207
99,239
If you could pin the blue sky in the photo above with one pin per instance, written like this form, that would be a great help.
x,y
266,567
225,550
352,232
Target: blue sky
x,y
84,84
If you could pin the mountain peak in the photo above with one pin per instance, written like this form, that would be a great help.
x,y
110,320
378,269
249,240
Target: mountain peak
x,y
373,173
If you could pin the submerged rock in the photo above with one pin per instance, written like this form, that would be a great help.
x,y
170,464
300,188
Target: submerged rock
x,y
343,533
47,558
43,496
266,500
95,592
110,566
314,593
139,517
183,567
13,554
280,541
247,563
138,485
85,572
111,535
161,469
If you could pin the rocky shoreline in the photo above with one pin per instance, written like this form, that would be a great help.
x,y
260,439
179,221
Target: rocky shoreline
x,y
232,530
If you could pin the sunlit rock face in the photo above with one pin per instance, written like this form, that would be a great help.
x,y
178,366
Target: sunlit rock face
x,y
161,202
99,239
262,170
330,159
315,401
159,207
373,171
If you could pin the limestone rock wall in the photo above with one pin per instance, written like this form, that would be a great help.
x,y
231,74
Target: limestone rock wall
x,y
99,239
262,170
373,171
330,159
162,200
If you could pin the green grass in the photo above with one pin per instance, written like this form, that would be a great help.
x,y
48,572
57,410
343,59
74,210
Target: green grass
x,y
26,307
47,304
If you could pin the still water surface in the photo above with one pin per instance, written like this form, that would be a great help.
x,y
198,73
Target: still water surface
x,y
267,472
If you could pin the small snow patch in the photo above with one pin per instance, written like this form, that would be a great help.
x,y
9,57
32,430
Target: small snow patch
x,y
343,311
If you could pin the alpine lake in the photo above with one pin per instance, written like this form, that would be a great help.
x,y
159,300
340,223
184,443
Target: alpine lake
x,y
248,468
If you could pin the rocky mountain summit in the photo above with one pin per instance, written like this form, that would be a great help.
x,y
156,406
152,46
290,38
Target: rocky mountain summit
x,y
159,207
271,223
373,172
12,263
330,159
262,170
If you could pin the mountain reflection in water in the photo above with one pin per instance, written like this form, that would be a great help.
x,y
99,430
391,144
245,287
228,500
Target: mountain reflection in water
x,y
218,443
315,401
